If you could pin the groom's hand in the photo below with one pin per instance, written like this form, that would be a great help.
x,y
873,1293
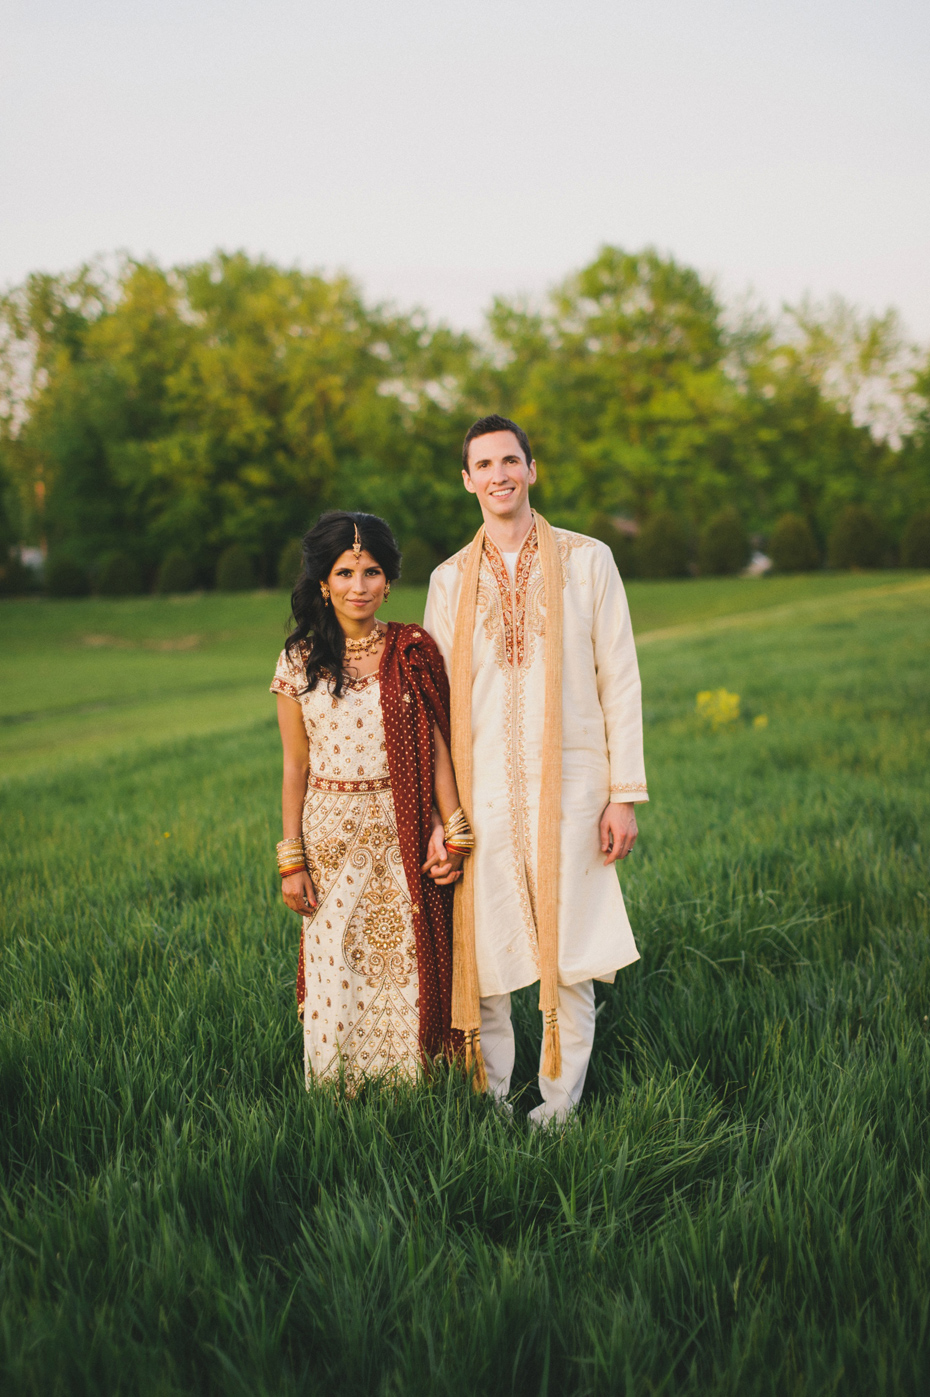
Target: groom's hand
x,y
618,830
441,866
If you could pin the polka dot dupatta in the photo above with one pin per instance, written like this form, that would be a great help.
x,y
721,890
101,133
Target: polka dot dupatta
x,y
414,697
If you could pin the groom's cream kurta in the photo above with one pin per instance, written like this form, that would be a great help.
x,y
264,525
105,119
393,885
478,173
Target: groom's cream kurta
x,y
602,754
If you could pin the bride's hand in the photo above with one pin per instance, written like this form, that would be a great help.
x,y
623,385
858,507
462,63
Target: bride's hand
x,y
298,892
448,872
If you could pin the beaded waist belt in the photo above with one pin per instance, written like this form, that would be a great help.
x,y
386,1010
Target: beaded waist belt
x,y
326,783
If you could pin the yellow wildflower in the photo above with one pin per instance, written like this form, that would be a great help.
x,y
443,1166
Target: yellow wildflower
x,y
718,707
761,720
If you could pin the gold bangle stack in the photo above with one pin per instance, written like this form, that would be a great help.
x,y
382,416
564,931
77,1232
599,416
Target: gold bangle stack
x,y
458,835
291,858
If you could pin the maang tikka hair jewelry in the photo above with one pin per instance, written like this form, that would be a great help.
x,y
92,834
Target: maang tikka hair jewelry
x,y
357,545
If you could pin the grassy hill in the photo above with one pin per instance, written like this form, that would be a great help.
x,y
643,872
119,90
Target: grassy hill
x,y
92,678
741,1208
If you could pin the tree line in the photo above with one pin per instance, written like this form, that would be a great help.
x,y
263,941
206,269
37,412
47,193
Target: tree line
x,y
182,427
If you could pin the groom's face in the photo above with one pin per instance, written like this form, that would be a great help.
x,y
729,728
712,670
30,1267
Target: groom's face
x,y
499,474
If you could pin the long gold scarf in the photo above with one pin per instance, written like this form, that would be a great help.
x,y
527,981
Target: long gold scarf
x,y
466,1007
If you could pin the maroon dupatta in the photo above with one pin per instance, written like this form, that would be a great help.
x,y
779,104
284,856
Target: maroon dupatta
x,y
414,698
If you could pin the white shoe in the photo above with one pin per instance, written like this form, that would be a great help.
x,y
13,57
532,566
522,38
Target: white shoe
x,y
543,1116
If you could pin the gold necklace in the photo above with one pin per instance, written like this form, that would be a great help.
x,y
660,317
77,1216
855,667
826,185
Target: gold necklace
x,y
368,644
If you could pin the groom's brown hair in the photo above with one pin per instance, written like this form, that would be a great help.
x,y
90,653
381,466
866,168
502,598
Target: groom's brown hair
x,y
495,423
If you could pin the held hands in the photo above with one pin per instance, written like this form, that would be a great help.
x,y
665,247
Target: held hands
x,y
298,892
618,830
441,866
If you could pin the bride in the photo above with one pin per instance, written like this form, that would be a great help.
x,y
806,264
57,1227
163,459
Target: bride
x,y
373,834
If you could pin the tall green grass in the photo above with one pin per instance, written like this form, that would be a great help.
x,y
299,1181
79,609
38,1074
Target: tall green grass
x,y
742,1206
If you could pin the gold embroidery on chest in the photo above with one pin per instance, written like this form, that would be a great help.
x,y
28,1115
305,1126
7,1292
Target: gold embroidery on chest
x,y
506,621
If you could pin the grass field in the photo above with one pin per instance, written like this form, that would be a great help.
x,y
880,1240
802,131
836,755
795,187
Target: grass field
x,y
742,1208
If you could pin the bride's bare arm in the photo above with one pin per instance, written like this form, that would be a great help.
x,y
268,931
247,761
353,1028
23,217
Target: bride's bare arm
x,y
440,865
297,889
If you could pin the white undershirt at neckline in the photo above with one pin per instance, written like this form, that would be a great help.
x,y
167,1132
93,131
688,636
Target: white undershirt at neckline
x,y
510,559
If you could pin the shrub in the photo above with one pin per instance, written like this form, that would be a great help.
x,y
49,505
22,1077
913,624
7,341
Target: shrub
x,y
621,545
15,580
289,564
856,539
915,545
177,572
662,548
792,547
235,570
724,545
419,559
118,575
64,577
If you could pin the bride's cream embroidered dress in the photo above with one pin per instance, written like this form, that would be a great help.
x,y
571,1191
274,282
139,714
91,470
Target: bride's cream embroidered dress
x,y
602,753
361,1011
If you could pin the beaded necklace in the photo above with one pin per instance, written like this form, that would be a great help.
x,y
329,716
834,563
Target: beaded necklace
x,y
367,645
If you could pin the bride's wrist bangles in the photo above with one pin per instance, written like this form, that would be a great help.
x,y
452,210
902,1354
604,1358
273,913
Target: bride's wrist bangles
x,y
458,835
291,857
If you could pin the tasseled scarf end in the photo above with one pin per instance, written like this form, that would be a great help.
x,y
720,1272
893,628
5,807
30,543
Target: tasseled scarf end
x,y
474,1060
552,1046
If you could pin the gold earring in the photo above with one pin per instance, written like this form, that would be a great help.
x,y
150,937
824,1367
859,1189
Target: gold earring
x,y
325,590
387,590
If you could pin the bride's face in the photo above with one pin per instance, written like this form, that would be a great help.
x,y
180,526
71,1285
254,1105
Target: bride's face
x,y
356,587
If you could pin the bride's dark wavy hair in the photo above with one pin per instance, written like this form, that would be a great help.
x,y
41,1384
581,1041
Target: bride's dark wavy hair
x,y
315,621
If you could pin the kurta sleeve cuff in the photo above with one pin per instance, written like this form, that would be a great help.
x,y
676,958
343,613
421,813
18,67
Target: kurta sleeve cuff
x,y
629,792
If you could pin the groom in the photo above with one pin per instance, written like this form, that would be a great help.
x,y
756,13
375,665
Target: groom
x,y
534,628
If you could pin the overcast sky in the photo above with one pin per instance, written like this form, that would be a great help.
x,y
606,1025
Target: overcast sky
x,y
443,151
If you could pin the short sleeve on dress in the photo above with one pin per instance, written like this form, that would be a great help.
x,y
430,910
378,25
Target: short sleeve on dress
x,y
290,677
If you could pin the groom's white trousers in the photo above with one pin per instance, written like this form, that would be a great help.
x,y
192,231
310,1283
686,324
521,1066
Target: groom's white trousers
x,y
576,1032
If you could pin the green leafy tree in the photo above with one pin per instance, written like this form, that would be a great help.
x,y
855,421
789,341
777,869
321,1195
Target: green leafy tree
x,y
914,465
621,386
230,401
226,401
99,349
